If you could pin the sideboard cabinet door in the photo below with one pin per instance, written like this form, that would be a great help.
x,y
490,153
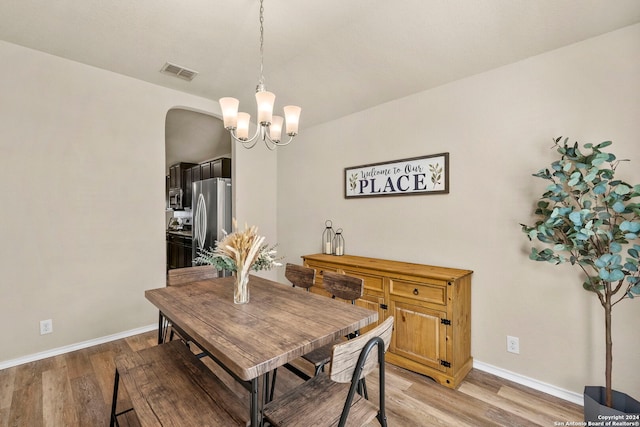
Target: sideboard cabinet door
x,y
419,335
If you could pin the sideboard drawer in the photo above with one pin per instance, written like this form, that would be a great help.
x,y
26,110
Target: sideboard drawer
x,y
419,291
371,282
321,267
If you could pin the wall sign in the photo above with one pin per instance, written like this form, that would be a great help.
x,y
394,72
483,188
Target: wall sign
x,y
418,175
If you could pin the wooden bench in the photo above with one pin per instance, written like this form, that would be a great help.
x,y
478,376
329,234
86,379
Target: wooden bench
x,y
169,385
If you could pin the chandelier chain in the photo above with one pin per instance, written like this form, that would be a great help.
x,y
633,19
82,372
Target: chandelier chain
x,y
261,81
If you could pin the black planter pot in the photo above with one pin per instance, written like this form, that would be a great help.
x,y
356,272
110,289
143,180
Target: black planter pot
x,y
595,409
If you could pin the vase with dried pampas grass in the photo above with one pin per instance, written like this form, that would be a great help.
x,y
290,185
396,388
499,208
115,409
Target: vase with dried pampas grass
x,y
240,252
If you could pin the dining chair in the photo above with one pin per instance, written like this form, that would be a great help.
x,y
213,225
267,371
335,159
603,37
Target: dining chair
x,y
300,277
341,286
332,399
183,276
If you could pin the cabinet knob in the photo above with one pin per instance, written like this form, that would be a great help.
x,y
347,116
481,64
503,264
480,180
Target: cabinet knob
x,y
415,291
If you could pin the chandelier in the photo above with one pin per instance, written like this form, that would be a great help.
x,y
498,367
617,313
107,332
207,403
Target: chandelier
x,y
269,127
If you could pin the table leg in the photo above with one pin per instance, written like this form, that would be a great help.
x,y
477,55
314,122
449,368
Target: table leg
x,y
254,404
160,327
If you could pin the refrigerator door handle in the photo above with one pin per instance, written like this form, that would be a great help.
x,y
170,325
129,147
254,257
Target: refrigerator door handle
x,y
200,222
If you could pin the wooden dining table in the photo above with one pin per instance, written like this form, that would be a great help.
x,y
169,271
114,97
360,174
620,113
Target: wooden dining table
x,y
249,341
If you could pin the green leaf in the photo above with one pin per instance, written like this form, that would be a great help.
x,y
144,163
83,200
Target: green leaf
x,y
603,261
575,218
600,189
534,254
615,247
604,274
604,144
633,227
616,275
619,207
615,260
592,285
622,190
604,215
593,172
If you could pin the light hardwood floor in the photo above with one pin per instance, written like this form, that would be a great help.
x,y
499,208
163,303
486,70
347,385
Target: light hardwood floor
x,y
75,389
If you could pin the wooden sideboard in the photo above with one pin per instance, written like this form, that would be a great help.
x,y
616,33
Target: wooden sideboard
x,y
431,306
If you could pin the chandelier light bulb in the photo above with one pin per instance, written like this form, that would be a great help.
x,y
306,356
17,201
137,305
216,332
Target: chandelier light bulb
x,y
243,126
275,130
292,114
265,101
229,107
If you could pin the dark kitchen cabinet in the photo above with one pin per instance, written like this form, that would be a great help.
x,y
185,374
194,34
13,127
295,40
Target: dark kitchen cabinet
x,y
205,170
175,175
187,176
178,251
219,168
196,174
180,178
173,178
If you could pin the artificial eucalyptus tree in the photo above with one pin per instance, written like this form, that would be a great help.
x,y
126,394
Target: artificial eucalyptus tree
x,y
591,219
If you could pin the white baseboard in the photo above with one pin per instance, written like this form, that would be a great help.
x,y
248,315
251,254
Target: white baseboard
x,y
77,346
531,383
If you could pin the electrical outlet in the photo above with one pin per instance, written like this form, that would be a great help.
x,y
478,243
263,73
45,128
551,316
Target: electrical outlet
x,y
513,344
46,326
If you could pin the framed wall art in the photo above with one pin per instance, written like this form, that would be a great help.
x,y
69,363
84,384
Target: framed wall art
x,y
414,176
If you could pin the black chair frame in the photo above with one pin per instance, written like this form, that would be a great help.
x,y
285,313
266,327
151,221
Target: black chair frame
x,y
356,381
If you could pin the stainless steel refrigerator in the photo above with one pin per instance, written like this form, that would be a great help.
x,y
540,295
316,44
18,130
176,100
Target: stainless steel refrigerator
x,y
211,212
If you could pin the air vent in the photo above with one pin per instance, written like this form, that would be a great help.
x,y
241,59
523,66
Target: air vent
x,y
178,71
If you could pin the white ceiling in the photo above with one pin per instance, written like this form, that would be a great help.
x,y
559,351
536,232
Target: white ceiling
x,y
331,57
194,137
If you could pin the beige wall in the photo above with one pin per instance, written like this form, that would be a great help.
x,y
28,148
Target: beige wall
x,y
255,174
498,128
82,225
